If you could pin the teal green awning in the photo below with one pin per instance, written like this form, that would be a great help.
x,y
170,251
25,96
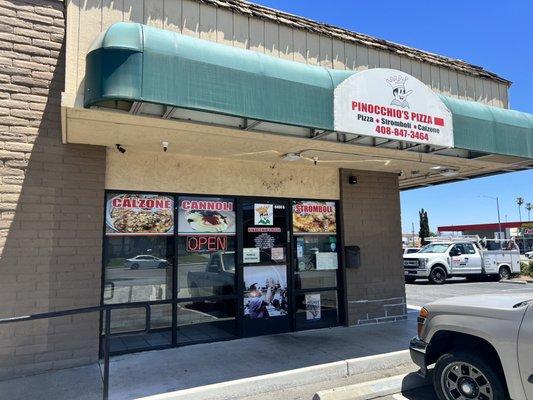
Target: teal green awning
x,y
135,62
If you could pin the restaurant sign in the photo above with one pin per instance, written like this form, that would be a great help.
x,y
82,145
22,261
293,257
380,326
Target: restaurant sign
x,y
527,228
391,104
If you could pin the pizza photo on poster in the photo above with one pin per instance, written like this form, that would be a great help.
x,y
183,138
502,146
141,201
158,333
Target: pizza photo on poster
x,y
139,214
265,294
206,215
314,217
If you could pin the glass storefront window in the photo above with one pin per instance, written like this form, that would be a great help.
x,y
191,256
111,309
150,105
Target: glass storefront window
x,y
316,261
145,255
316,310
138,268
206,247
209,273
207,320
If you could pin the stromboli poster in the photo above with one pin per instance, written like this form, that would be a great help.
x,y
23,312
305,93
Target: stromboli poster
x,y
314,217
139,214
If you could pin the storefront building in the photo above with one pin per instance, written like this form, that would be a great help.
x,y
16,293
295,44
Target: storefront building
x,y
235,167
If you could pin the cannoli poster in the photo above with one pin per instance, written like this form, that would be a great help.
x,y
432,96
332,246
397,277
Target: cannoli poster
x,y
206,216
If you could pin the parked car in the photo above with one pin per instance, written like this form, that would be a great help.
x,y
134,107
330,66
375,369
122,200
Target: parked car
x,y
529,254
481,346
465,257
145,261
411,250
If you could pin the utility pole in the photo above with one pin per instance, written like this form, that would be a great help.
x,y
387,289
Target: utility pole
x,y
498,210
413,232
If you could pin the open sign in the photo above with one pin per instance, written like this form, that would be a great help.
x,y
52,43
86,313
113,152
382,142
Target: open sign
x,y
207,243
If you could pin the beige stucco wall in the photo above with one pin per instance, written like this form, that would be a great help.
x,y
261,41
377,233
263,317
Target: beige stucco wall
x,y
87,18
174,173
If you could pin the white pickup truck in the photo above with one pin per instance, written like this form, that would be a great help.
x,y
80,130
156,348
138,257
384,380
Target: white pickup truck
x,y
470,258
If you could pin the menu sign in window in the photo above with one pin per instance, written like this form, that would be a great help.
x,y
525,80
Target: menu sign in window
x,y
265,228
139,214
314,217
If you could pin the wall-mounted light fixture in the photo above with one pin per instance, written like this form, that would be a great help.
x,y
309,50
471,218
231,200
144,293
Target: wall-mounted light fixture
x,y
291,157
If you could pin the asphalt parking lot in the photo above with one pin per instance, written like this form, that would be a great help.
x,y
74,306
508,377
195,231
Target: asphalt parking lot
x,y
422,292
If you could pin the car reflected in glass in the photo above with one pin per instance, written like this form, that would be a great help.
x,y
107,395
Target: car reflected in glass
x,y
145,261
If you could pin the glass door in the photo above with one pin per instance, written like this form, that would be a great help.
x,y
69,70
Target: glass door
x,y
316,264
264,262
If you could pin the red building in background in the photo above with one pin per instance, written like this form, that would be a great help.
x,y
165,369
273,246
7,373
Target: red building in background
x,y
521,231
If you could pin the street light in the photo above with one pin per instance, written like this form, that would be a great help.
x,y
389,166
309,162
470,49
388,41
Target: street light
x,y
520,201
498,209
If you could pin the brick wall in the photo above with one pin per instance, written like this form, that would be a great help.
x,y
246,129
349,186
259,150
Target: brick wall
x,y
51,198
371,220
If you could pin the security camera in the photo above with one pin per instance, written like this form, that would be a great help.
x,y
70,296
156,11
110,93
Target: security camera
x,y
165,146
120,148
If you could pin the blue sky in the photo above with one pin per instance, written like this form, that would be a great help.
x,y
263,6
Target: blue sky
x,y
493,34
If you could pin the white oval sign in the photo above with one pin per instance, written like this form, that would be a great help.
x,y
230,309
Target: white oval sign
x,y
391,104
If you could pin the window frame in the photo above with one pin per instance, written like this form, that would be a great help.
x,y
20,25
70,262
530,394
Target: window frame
x,y
340,288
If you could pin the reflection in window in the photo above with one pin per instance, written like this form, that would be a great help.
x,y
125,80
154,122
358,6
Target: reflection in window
x,y
206,273
315,279
314,252
316,261
137,268
206,320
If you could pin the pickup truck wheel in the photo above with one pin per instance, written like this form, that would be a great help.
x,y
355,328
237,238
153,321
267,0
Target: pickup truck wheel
x,y
464,376
437,275
505,273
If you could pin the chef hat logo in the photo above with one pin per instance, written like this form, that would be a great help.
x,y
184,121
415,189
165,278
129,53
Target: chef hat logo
x,y
262,210
397,81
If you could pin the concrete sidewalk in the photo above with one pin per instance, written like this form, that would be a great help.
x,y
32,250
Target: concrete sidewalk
x,y
152,373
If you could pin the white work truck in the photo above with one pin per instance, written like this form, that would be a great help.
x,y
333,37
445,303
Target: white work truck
x,y
465,256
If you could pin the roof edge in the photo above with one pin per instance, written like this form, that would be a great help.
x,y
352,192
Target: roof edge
x,y
302,23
